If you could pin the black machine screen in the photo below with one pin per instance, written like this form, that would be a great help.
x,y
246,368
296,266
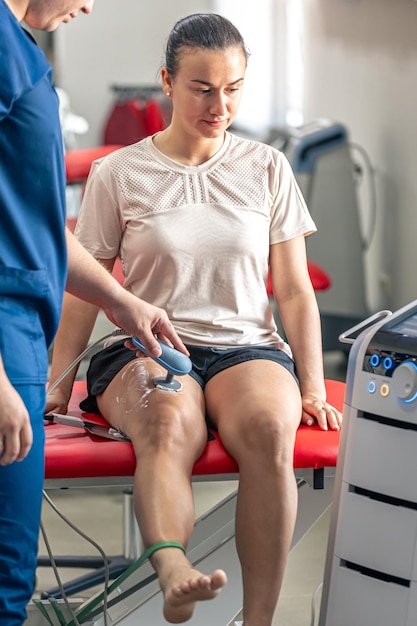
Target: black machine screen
x,y
407,326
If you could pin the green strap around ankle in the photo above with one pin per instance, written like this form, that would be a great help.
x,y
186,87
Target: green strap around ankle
x,y
96,600
159,546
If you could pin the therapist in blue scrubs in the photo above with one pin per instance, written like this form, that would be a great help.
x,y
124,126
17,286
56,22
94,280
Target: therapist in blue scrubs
x,y
39,258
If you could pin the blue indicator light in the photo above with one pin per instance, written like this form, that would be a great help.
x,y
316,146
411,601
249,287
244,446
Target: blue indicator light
x,y
374,360
387,363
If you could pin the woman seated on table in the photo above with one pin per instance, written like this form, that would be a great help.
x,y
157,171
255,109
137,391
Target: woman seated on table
x,y
197,215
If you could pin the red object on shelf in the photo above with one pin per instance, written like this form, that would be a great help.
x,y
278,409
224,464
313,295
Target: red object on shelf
x,y
133,120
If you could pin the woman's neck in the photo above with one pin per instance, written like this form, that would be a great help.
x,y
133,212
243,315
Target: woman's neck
x,y
187,152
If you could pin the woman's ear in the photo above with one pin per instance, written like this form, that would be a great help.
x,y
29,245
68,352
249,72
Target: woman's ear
x,y
166,82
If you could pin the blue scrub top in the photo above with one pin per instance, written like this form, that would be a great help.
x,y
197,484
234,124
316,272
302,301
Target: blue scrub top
x,y
33,260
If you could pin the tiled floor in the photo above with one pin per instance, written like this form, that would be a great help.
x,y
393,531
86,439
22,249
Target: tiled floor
x,y
303,577
98,512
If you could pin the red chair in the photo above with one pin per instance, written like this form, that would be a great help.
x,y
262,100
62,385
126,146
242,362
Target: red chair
x,y
78,162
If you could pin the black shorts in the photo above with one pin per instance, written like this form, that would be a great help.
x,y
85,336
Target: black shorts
x,y
207,362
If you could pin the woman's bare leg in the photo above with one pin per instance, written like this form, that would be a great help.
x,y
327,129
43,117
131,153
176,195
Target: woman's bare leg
x,y
169,433
257,408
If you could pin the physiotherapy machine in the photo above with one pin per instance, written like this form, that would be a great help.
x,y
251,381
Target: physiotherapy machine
x,y
371,566
320,155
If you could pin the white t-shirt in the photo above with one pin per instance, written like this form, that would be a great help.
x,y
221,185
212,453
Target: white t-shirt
x,y
194,240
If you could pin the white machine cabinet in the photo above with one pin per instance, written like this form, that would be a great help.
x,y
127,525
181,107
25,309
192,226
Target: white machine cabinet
x,y
371,567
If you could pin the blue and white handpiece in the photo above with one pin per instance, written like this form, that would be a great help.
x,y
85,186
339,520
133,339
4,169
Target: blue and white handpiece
x,y
172,360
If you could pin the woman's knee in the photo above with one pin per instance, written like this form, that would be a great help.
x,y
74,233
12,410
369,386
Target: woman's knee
x,y
263,435
168,424
170,428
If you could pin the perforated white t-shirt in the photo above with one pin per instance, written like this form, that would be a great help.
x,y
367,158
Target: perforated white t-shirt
x,y
194,240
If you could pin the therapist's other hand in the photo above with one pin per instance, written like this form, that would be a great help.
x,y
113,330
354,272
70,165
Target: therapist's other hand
x,y
15,429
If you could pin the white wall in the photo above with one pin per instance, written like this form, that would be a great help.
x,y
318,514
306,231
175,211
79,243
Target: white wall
x,y
258,106
361,70
122,42
114,46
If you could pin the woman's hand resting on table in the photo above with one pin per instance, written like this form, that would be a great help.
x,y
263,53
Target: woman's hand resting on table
x,y
56,402
316,410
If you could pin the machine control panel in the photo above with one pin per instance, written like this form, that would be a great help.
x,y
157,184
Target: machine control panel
x,y
391,359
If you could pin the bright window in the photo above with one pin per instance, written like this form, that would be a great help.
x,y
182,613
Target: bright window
x,y
274,86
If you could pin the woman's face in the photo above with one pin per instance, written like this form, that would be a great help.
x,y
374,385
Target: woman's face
x,y
206,90
49,14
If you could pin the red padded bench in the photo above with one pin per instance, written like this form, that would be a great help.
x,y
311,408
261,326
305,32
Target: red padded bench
x,y
72,453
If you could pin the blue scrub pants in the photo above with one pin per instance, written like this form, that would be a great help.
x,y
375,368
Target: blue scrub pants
x,y
24,354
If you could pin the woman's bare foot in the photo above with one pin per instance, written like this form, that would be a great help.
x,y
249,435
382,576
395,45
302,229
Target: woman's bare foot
x,y
186,587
